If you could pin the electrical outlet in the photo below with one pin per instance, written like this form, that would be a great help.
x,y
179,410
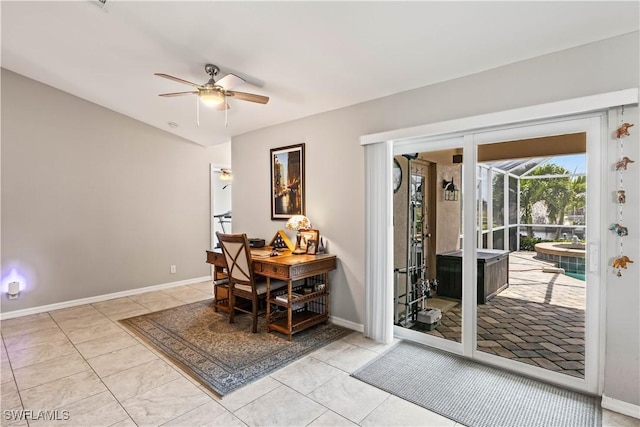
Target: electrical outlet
x,y
173,269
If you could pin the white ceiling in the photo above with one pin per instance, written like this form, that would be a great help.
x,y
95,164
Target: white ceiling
x,y
308,57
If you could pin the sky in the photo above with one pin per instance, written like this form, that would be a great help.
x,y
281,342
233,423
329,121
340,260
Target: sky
x,y
575,163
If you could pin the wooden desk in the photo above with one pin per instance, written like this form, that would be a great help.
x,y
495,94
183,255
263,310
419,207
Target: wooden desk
x,y
298,313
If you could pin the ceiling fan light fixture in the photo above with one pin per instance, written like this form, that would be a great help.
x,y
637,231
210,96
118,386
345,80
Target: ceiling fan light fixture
x,y
225,175
211,97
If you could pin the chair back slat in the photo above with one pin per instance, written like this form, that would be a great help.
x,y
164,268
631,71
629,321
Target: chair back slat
x,y
242,285
237,254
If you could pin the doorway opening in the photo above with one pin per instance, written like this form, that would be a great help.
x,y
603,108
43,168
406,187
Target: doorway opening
x,y
221,217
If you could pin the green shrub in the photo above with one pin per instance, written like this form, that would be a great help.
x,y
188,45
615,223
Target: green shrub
x,y
529,243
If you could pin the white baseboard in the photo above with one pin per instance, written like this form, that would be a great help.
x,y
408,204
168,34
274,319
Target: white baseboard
x,y
347,324
89,300
621,407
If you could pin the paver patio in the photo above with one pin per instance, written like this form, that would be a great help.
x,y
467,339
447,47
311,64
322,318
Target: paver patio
x,y
538,319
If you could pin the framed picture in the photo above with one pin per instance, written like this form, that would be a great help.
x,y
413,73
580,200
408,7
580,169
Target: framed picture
x,y
312,247
307,236
287,181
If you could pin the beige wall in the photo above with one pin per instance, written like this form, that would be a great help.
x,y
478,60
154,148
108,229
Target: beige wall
x,y
447,233
622,351
446,236
335,159
220,155
94,202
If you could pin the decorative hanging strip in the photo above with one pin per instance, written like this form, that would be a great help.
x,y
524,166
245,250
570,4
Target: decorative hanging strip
x,y
622,260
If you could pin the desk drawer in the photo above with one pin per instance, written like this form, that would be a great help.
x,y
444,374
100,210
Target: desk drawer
x,y
216,258
275,271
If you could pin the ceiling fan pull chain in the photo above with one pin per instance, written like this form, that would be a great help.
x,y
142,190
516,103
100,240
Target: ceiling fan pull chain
x,y
198,112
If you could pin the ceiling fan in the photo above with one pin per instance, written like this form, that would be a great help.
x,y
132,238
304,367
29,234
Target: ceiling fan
x,y
215,93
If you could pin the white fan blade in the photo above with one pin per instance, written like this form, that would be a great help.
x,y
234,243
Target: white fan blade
x,y
230,81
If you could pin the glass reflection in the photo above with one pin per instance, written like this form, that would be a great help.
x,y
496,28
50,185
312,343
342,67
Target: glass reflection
x,y
427,238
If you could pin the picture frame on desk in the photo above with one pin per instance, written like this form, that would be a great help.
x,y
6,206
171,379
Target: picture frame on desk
x,y
312,247
287,182
306,236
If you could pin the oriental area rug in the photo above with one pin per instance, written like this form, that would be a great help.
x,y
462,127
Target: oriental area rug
x,y
476,395
224,356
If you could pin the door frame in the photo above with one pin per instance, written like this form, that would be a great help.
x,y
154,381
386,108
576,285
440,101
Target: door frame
x,y
214,171
471,130
593,125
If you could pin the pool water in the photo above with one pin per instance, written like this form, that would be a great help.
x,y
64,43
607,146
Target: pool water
x,y
579,276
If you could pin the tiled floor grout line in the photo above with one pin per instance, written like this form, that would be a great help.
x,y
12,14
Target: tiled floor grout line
x,y
85,360
13,375
169,363
308,397
319,416
166,361
91,367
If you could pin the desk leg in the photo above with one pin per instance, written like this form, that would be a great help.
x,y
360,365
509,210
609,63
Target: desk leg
x,y
289,314
268,303
326,298
220,290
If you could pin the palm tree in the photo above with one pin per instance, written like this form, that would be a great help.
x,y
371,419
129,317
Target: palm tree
x,y
530,190
578,200
498,199
554,192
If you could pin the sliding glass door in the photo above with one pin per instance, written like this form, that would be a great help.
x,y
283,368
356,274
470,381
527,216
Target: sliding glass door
x,y
469,273
427,238
536,217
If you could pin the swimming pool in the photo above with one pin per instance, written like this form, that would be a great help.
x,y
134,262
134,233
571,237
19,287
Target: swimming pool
x,y
579,276
569,256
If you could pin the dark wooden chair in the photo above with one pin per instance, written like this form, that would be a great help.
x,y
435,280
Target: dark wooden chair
x,y
243,284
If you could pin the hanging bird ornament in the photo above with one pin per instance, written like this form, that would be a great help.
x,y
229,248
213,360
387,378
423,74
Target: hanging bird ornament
x,y
622,164
621,263
619,230
623,130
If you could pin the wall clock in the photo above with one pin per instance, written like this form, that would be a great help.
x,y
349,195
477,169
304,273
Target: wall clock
x,y
397,175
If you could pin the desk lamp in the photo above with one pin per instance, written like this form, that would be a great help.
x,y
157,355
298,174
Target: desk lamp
x,y
297,223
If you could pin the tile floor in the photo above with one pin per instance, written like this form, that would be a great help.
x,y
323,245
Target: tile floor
x,y
80,360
